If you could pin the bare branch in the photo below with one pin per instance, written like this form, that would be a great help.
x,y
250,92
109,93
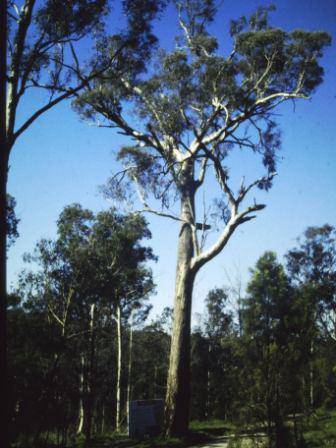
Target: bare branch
x,y
201,138
54,315
16,8
43,109
148,209
14,70
216,248
163,214
127,129
188,36
67,94
204,226
266,71
222,178
244,190
202,172
283,95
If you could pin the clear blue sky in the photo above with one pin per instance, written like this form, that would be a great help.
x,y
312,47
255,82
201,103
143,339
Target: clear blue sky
x,y
61,160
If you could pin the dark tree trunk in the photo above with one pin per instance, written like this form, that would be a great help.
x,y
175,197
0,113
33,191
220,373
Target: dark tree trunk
x,y
178,384
3,304
207,401
3,228
129,375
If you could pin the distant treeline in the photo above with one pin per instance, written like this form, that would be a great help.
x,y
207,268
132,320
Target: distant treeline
x,y
81,345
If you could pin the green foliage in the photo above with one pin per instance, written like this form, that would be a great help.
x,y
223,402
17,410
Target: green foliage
x,y
63,20
321,430
12,221
312,268
195,90
96,259
218,319
251,371
150,362
213,373
274,358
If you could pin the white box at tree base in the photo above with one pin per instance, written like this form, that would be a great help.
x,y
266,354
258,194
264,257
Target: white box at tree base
x,y
145,418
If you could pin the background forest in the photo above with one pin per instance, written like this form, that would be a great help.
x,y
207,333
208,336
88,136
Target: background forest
x,y
82,345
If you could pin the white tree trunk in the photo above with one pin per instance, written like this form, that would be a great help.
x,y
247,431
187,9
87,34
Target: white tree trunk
x,y
119,361
90,396
81,392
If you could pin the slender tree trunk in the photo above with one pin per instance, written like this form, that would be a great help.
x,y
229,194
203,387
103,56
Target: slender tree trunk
x,y
119,361
129,384
90,394
4,413
47,398
207,404
103,420
155,393
311,376
81,392
178,383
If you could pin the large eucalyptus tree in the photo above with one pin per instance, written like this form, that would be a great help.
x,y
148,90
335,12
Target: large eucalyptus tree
x,y
186,114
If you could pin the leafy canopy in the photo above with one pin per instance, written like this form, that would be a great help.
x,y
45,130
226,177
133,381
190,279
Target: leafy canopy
x,y
187,109
96,259
196,93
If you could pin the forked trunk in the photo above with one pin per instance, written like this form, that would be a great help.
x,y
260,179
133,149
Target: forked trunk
x,y
178,384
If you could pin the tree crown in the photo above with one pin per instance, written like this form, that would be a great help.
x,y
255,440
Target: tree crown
x,y
195,104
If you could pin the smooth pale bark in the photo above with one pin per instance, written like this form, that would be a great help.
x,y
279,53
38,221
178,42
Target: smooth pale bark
x,y
81,393
119,361
178,383
90,393
3,184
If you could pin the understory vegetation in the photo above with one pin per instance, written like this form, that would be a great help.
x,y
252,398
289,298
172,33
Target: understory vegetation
x,y
263,360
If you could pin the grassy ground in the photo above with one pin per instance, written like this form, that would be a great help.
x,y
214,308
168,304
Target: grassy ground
x,y
320,432
200,433
193,438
